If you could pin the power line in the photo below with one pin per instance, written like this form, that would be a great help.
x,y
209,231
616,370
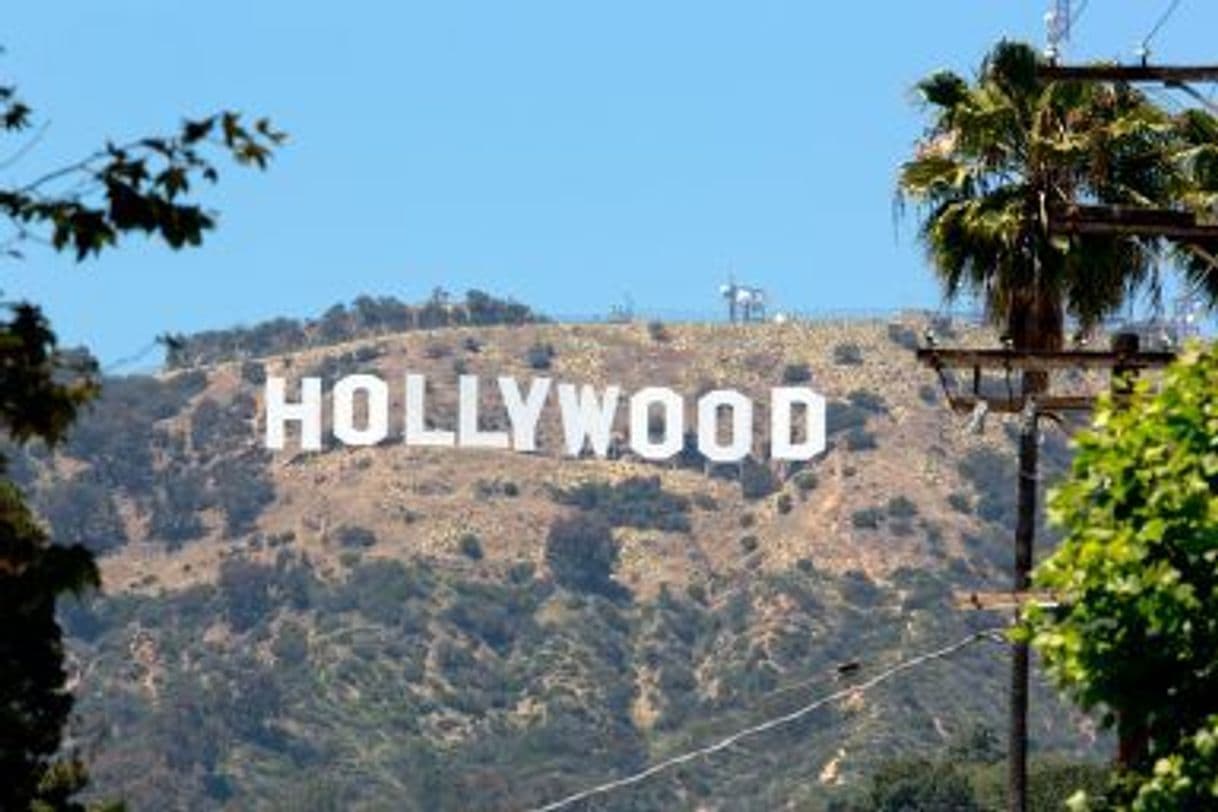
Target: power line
x,y
777,721
1205,101
1078,13
1163,20
130,359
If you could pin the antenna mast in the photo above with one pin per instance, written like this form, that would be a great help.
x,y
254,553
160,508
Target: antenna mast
x,y
1058,22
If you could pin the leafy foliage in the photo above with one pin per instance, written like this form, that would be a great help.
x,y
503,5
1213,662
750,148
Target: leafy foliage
x,y
757,480
638,502
540,356
145,187
796,373
365,317
81,511
581,553
1137,572
1186,779
847,355
508,693
140,186
1002,155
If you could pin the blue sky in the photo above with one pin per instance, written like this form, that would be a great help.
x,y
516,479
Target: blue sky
x,y
564,153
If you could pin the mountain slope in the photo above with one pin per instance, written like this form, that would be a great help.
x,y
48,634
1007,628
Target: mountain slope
x,y
389,628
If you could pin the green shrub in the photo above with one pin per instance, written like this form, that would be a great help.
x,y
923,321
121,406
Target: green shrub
x,y
638,502
901,507
806,482
859,439
471,546
658,331
993,477
354,537
540,356
960,502
244,591
866,518
253,372
847,354
796,374
436,350
901,528
903,336
581,554
867,401
81,511
486,489
860,590
757,481
841,416
784,503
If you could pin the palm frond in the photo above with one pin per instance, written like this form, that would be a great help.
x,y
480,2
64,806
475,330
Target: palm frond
x,y
943,89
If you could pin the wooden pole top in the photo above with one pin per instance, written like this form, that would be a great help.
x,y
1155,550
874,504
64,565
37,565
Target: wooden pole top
x,y
1040,360
1165,74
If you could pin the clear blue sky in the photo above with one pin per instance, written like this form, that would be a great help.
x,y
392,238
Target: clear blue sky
x,y
563,153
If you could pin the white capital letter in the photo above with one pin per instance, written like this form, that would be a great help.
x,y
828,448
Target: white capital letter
x,y
781,445
640,423
524,413
708,425
344,410
468,433
307,413
584,418
417,432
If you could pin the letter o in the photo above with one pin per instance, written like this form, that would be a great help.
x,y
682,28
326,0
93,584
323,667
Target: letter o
x,y
708,425
674,423
344,410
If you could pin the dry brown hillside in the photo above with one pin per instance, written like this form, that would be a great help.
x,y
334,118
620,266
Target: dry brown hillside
x,y
387,625
417,500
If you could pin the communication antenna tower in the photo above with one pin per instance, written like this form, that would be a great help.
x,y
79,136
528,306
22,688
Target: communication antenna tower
x,y
744,303
729,292
1058,22
622,313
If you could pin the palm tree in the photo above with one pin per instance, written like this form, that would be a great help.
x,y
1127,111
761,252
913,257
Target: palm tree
x,y
1002,154
1000,158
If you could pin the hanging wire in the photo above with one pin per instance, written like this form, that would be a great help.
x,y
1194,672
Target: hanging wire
x,y
1166,99
990,635
130,359
1078,13
1163,20
1205,101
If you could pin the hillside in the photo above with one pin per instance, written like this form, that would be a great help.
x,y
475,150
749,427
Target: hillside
x,y
382,628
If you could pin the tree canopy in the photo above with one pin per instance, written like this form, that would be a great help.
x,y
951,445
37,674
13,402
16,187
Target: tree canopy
x,y
1136,634
87,206
1001,154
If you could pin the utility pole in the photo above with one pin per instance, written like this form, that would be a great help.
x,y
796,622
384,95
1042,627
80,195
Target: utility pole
x,y
1025,537
1035,400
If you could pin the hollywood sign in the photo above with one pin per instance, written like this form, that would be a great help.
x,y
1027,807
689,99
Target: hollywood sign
x,y
587,417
